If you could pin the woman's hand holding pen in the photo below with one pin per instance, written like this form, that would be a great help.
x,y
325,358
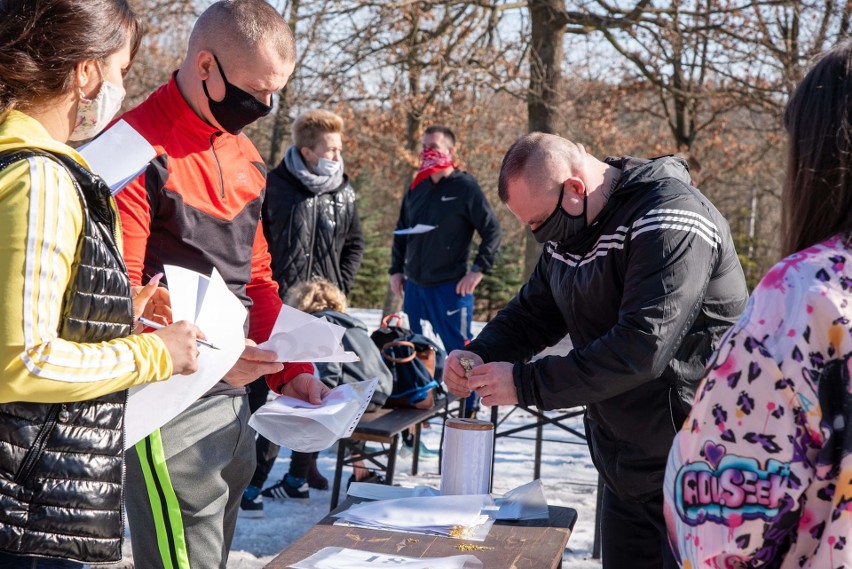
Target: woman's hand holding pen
x,y
180,340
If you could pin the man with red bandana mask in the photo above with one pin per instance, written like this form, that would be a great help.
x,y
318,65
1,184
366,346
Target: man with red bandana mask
x,y
430,270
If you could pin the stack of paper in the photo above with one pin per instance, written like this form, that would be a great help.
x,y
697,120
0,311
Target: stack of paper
x,y
526,502
449,516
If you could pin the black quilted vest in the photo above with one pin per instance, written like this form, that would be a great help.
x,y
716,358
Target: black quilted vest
x,y
61,465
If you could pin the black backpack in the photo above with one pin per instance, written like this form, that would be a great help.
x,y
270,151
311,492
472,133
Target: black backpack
x,y
415,361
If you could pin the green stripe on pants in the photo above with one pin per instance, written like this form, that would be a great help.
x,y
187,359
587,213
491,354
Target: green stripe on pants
x,y
164,504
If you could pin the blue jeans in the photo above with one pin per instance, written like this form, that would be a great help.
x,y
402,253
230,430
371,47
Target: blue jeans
x,y
17,562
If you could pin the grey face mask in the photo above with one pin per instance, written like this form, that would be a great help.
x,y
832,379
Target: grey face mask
x,y
561,226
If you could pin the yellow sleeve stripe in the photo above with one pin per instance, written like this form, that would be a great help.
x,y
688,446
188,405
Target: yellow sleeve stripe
x,y
48,272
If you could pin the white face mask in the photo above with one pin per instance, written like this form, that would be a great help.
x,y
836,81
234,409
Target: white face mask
x,y
326,167
93,115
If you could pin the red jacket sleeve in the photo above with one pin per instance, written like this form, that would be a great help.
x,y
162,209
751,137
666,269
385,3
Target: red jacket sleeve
x,y
263,291
135,213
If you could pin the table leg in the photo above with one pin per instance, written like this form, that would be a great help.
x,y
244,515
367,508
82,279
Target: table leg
x,y
539,434
338,472
596,544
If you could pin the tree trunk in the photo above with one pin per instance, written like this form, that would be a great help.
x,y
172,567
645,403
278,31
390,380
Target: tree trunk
x,y
281,124
548,22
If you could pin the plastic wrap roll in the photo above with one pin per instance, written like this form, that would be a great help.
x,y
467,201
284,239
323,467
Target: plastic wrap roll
x,y
466,461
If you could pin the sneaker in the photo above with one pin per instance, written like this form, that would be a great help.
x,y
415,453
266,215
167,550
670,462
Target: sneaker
x,y
286,488
251,504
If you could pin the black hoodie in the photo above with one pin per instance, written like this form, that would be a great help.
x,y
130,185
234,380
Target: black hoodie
x,y
645,293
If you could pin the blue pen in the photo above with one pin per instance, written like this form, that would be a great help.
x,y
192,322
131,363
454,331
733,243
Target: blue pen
x,y
157,326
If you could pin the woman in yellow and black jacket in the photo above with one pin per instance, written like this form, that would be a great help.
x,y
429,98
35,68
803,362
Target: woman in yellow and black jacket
x,y
67,308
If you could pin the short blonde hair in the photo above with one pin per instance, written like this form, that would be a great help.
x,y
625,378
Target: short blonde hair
x,y
309,127
315,296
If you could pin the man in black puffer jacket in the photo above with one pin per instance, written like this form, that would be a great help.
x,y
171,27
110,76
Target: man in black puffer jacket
x,y
639,269
310,221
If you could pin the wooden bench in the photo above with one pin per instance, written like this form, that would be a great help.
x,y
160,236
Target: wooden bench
x,y
384,426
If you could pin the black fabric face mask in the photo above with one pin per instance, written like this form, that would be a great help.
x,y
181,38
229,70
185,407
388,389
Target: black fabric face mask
x,y
561,226
237,109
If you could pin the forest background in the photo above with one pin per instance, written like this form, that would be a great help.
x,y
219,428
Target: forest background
x,y
704,79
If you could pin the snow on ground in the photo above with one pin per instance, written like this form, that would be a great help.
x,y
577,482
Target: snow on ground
x,y
567,473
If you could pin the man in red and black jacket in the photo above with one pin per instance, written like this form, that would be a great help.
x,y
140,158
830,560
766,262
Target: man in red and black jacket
x,y
198,206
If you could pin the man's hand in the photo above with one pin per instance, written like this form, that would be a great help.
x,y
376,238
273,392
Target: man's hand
x,y
252,364
307,388
494,383
468,282
454,372
397,284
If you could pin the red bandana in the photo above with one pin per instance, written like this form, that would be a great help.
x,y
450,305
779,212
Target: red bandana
x,y
431,161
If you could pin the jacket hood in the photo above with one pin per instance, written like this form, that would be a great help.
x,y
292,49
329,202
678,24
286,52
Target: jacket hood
x,y
636,174
639,171
19,131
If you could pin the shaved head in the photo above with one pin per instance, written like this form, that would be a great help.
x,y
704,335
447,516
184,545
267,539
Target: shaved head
x,y
239,27
543,160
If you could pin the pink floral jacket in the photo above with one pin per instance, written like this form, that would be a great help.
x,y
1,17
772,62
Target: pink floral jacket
x,y
760,475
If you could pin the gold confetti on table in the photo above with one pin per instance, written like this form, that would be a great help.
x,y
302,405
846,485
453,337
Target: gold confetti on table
x,y
472,547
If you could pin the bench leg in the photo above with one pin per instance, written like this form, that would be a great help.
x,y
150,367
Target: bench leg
x,y
415,458
391,460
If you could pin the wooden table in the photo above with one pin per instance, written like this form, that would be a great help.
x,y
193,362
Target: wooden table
x,y
531,544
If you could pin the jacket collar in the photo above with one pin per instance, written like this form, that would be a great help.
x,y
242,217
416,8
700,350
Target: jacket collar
x,y
181,116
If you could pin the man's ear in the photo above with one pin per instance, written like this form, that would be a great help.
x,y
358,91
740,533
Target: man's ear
x,y
204,63
575,184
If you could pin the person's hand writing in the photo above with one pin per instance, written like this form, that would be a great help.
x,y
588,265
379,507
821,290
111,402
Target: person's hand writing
x,y
252,364
152,302
494,383
307,388
397,284
454,372
179,339
468,283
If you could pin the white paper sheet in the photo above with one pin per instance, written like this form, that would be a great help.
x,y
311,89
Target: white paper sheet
x,y
343,558
221,316
526,502
417,229
301,337
305,427
451,516
370,491
118,155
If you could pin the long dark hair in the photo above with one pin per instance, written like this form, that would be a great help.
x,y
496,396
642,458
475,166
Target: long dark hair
x,y
42,41
817,198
